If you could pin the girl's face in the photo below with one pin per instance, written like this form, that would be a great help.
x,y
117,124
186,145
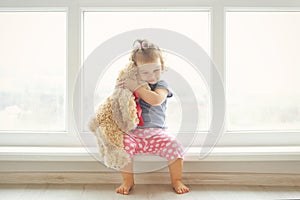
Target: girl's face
x,y
150,72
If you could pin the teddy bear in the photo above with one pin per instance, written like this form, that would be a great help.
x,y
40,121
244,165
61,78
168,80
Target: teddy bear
x,y
118,114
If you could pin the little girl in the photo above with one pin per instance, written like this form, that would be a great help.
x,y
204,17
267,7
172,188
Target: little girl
x,y
151,137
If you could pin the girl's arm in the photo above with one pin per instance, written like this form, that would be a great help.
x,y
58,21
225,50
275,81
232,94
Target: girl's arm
x,y
154,98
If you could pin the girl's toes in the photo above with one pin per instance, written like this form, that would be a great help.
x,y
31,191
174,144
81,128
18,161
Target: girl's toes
x,y
178,190
126,191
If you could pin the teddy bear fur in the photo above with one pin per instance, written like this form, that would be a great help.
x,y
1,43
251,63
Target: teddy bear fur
x,y
114,117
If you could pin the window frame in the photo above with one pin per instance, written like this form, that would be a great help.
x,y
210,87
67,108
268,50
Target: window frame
x,y
47,138
143,9
75,57
257,138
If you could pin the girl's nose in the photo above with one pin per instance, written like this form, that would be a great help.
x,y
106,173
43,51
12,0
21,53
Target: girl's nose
x,y
152,75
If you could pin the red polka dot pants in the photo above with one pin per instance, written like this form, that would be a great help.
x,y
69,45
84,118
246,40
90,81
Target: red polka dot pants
x,y
152,141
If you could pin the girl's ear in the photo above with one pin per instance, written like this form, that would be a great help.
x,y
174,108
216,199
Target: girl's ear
x,y
162,63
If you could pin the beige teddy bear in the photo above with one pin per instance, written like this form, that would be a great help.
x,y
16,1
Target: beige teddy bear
x,y
118,114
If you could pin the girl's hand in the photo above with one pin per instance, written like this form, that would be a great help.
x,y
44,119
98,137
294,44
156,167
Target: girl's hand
x,y
130,84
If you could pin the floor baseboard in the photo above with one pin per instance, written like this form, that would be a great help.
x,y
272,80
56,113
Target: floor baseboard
x,y
149,178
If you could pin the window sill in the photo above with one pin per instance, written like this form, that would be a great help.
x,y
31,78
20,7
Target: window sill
x,y
282,153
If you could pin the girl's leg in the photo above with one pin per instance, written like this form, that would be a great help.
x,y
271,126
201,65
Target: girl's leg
x,y
175,168
128,179
130,145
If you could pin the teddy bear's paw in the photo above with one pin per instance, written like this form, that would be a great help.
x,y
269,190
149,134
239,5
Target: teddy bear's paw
x,y
93,124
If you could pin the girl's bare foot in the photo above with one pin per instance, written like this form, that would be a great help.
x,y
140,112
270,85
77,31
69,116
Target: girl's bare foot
x,y
179,187
125,187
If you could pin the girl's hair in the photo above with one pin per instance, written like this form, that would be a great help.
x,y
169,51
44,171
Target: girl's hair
x,y
146,51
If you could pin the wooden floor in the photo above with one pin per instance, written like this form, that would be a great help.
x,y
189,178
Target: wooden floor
x,y
159,192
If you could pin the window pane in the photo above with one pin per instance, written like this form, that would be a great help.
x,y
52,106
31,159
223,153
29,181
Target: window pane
x,y
98,29
120,22
32,71
262,70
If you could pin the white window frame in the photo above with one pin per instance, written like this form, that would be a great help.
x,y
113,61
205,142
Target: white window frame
x,y
258,138
46,138
74,10
87,135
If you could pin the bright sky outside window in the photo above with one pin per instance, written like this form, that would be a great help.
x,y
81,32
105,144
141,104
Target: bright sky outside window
x,y
262,70
32,71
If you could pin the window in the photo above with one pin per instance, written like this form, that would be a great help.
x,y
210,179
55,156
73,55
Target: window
x,y
32,71
97,29
44,43
262,70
